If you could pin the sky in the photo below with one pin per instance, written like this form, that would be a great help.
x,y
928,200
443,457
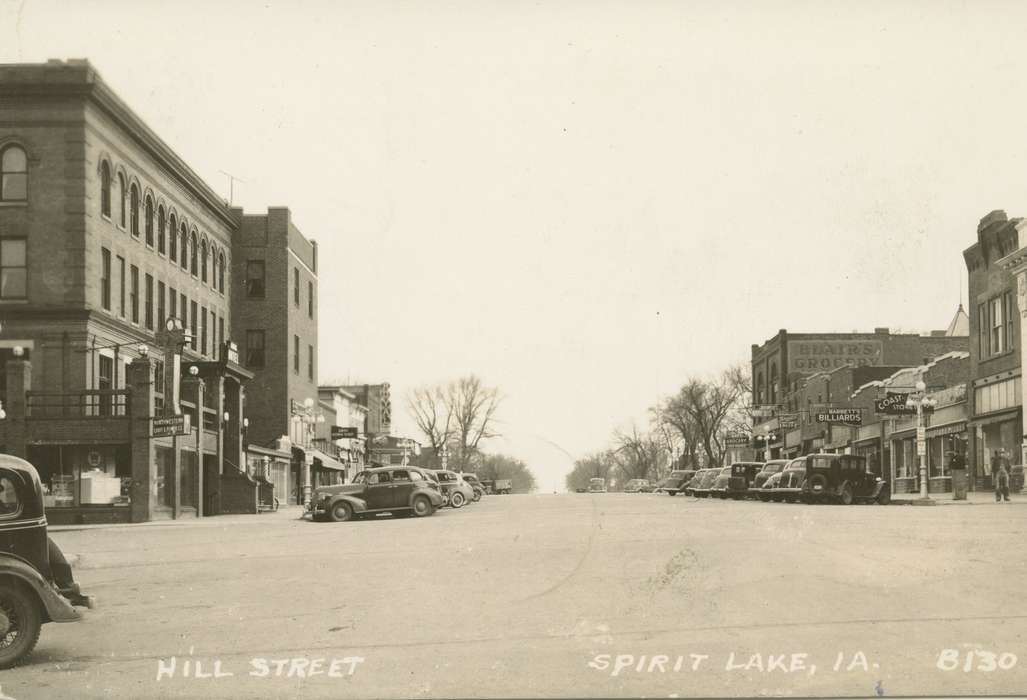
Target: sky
x,y
585,204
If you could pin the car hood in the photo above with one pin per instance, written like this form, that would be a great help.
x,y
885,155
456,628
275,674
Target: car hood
x,y
340,489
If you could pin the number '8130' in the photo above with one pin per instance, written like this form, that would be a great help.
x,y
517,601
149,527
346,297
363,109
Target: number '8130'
x,y
975,660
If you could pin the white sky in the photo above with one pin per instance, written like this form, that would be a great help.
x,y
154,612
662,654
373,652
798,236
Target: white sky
x,y
584,203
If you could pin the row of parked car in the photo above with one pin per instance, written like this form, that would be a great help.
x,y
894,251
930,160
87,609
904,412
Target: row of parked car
x,y
400,490
814,478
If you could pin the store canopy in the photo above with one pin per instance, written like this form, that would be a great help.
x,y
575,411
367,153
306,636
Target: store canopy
x,y
324,461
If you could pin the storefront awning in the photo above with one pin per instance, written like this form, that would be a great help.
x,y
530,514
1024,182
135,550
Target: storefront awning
x,y
325,462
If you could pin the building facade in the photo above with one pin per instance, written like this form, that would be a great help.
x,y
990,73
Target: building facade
x,y
105,234
995,393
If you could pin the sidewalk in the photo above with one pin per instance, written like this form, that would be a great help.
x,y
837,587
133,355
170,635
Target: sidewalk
x,y
284,513
945,499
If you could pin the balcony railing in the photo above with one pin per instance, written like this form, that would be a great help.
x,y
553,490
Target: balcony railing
x,y
78,404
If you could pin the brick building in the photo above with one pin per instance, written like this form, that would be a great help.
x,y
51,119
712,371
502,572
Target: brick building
x,y
995,392
105,233
274,314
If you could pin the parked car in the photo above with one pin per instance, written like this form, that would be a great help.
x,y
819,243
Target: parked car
x,y
36,582
702,487
472,481
502,486
597,485
719,487
789,485
637,486
759,482
455,490
397,490
843,479
689,486
770,486
742,476
675,482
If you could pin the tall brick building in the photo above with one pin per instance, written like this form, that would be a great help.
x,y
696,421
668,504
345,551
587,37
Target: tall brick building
x,y
995,392
106,234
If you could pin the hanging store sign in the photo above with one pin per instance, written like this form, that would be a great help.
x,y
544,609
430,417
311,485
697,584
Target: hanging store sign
x,y
168,426
736,440
341,432
841,416
788,421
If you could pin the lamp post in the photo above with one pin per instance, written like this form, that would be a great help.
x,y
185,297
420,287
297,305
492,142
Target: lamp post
x,y
194,372
767,438
920,401
309,418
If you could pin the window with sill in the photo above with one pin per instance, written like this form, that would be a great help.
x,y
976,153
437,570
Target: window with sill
x,y
123,203
161,233
14,174
133,209
148,220
105,189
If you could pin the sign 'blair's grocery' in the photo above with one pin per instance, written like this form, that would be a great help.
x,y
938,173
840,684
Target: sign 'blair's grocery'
x,y
807,356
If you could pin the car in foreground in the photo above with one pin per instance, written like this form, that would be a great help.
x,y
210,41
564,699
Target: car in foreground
x,y
637,486
770,486
396,490
789,484
743,474
843,479
675,482
720,485
702,487
688,488
759,483
597,485
36,582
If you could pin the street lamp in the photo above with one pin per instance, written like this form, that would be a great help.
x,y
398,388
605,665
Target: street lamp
x,y
306,415
920,401
767,438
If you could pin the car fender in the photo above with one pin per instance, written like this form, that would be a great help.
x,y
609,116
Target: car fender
x,y
881,485
435,497
57,607
358,505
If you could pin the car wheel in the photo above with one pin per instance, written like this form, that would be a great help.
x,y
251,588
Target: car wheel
x,y
341,512
884,498
457,500
422,507
19,614
671,493
846,496
477,497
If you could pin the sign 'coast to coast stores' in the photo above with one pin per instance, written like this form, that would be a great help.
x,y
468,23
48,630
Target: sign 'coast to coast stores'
x,y
806,356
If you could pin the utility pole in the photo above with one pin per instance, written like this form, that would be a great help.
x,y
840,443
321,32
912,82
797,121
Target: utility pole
x,y
232,179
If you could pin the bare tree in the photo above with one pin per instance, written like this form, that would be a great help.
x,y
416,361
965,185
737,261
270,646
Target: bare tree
x,y
704,406
638,455
432,414
596,465
473,406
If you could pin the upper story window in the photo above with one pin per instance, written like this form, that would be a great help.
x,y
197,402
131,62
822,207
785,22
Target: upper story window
x,y
310,299
203,261
134,209
148,223
173,239
13,269
183,241
221,272
161,234
14,175
122,199
105,189
296,286
995,325
255,281
193,254
255,349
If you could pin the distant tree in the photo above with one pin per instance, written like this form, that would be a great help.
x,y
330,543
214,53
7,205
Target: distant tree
x,y
637,456
432,414
457,415
596,465
704,409
498,466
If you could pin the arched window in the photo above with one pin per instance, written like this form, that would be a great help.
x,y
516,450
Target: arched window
x,y
105,189
183,242
148,226
161,234
221,272
122,196
173,239
203,261
133,209
14,175
193,253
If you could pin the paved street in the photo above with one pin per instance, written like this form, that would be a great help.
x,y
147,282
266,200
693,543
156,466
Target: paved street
x,y
548,595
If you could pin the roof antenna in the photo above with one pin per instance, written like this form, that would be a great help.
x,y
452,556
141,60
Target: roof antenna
x,y
232,179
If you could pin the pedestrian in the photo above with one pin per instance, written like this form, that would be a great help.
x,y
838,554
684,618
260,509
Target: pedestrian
x,y
1000,473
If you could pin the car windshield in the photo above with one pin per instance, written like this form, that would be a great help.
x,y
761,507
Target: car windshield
x,y
773,467
678,475
361,478
796,464
726,471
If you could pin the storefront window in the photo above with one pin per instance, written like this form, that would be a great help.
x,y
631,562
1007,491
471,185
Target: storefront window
x,y
162,478
995,438
905,458
83,475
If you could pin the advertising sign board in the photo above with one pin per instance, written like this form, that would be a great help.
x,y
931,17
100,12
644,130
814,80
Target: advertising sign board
x,y
843,416
808,356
